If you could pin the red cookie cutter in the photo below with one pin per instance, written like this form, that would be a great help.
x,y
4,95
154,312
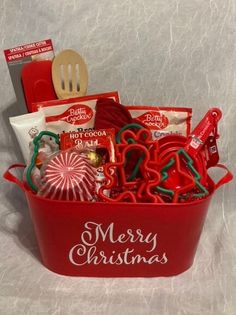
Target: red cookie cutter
x,y
191,148
134,159
140,189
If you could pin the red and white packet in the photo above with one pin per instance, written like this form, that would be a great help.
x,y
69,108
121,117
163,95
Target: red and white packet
x,y
74,114
101,142
163,121
68,175
90,139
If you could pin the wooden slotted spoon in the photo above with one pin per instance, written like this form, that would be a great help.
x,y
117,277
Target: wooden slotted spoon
x,y
69,74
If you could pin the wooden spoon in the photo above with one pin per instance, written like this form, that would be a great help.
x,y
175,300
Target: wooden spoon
x,y
69,74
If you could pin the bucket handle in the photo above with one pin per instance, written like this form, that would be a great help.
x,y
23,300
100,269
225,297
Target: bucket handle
x,y
226,178
12,178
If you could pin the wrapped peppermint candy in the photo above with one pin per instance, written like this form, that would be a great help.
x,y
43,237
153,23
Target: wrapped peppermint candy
x,y
68,175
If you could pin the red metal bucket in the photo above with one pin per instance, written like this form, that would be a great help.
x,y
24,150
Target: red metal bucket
x,y
117,240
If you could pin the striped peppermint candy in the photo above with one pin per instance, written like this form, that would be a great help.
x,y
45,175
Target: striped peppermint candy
x,y
68,176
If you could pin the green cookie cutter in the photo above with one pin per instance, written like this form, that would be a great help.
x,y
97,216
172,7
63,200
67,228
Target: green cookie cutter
x,y
34,156
131,141
190,164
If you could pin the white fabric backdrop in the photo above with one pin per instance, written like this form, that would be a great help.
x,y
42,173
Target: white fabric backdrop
x,y
153,52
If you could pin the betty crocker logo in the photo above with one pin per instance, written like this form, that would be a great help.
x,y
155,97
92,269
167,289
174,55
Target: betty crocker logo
x,y
77,115
154,120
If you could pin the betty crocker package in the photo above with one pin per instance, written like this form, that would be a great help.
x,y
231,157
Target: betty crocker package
x,y
163,121
75,114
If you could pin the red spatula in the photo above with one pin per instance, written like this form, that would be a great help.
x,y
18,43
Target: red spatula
x,y
37,82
